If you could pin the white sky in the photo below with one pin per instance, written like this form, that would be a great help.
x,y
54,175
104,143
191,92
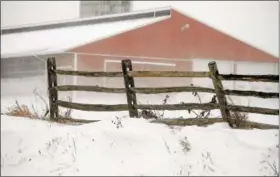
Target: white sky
x,y
15,13
254,22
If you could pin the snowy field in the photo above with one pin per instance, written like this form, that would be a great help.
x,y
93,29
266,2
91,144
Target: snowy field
x,y
33,147
133,146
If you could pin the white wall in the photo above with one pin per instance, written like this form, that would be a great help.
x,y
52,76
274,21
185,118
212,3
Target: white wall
x,y
225,67
14,13
250,68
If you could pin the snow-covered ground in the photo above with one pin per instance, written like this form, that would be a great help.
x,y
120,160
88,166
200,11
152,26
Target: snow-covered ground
x,y
135,147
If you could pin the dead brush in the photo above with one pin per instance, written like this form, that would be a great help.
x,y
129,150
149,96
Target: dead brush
x,y
20,111
47,109
152,114
25,111
204,114
67,113
240,119
274,168
186,146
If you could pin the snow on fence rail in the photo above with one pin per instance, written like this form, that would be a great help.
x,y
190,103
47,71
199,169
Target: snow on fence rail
x,y
128,74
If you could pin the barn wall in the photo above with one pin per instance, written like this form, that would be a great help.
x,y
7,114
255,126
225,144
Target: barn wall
x,y
177,37
235,67
26,73
243,68
29,73
87,62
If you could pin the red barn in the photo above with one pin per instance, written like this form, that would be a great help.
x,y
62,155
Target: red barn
x,y
160,39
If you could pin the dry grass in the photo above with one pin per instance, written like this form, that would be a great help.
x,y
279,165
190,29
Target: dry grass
x,y
152,114
204,114
240,119
67,113
21,111
25,112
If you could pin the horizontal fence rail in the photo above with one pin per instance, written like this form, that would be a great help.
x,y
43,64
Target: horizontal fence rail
x,y
229,77
255,110
169,107
92,107
89,73
185,106
252,93
206,90
209,106
250,78
89,88
160,90
167,74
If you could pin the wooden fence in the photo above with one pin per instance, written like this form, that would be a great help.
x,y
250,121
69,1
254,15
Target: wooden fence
x,y
128,74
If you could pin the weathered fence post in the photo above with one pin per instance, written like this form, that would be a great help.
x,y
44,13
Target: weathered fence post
x,y
129,83
214,74
52,82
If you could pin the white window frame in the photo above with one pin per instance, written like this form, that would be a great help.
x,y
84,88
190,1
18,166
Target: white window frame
x,y
135,62
67,67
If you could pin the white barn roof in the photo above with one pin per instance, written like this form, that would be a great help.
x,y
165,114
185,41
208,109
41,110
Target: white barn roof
x,y
25,41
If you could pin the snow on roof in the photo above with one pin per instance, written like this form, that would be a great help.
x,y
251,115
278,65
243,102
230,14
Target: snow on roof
x,y
60,39
154,12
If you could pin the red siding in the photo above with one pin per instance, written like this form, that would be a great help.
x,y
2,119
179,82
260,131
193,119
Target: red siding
x,y
167,39
90,63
